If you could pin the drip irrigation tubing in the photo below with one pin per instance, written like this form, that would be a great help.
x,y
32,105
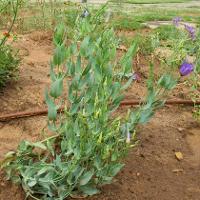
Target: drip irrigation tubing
x,y
26,114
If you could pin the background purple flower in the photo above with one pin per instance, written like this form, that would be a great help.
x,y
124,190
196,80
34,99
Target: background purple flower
x,y
176,21
186,68
136,76
191,30
85,13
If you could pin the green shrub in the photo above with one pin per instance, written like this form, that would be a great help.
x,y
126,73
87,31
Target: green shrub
x,y
90,139
8,65
8,60
167,32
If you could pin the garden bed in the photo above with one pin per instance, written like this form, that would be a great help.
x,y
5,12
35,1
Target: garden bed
x,y
152,171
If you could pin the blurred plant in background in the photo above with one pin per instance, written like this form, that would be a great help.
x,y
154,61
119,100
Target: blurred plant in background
x,y
183,43
8,59
191,62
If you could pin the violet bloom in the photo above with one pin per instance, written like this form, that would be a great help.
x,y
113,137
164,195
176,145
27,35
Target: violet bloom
x,y
191,30
186,68
176,21
136,77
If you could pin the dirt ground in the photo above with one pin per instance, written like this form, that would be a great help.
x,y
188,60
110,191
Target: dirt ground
x,y
152,171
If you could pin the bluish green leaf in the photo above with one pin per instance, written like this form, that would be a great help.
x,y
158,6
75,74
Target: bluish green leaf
x,y
127,84
146,115
115,168
167,82
39,145
32,183
52,110
59,35
89,190
86,177
59,55
57,88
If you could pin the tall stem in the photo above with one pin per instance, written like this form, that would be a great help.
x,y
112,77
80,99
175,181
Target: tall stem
x,y
12,24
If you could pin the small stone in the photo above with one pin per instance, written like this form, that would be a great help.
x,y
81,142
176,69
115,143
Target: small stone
x,y
179,155
137,174
2,184
180,129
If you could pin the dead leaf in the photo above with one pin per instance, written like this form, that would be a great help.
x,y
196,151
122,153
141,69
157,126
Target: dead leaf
x,y
179,155
177,170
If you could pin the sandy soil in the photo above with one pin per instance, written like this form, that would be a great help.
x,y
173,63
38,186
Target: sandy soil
x,y
152,171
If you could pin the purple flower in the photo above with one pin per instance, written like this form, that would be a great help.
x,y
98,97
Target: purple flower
x,y
136,77
176,21
191,30
186,68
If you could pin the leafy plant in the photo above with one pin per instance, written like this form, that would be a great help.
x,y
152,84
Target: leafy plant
x,y
8,61
90,139
183,44
8,65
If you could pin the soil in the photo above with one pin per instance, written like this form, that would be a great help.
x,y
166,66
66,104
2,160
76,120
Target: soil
x,y
152,171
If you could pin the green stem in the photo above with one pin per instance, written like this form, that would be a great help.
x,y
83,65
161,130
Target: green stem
x,y
13,21
50,138
33,197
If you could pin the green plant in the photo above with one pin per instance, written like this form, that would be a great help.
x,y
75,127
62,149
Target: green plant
x,y
90,139
150,1
194,83
8,65
167,32
184,48
8,60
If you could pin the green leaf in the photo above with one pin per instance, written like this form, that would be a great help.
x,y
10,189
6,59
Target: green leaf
x,y
146,115
86,70
127,84
89,190
78,65
43,171
84,46
52,110
52,74
50,147
114,156
32,183
39,145
57,88
59,55
115,168
86,177
73,48
167,82
74,108
117,102
115,89
59,34
126,60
